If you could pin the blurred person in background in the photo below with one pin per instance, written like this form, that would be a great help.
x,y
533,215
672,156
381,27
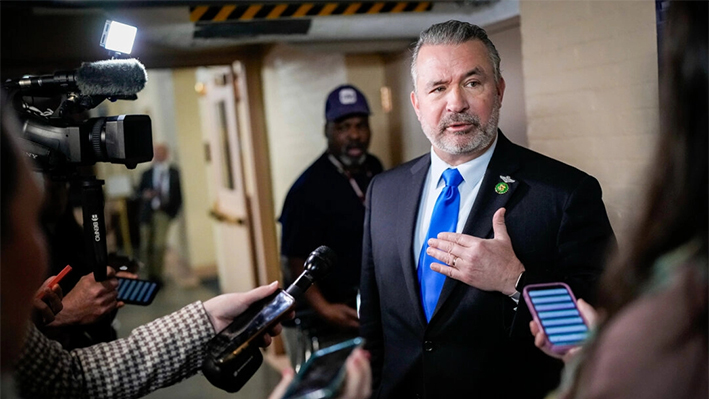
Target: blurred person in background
x,y
651,339
161,194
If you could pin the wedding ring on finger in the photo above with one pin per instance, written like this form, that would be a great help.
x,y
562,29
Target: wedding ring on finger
x,y
455,258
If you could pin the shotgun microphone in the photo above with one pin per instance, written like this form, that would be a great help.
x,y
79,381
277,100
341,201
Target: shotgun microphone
x,y
107,78
233,355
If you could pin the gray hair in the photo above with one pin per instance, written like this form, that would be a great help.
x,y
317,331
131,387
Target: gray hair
x,y
455,32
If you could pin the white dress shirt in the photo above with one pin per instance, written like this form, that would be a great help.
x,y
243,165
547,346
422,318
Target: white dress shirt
x,y
161,182
472,172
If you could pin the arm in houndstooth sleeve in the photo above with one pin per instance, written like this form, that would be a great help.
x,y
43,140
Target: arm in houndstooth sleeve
x,y
158,354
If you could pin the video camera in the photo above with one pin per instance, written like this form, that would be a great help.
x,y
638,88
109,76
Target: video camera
x,y
62,143
57,142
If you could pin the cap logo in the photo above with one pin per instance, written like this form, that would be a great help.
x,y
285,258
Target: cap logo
x,y
348,96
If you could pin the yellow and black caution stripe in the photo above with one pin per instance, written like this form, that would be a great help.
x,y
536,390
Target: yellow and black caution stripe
x,y
245,12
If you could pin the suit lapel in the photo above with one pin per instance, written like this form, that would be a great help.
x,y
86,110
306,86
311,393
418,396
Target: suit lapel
x,y
407,214
487,202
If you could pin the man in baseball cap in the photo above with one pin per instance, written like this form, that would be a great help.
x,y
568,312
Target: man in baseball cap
x,y
325,206
347,125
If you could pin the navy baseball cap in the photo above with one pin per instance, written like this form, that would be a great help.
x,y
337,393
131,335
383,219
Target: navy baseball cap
x,y
345,100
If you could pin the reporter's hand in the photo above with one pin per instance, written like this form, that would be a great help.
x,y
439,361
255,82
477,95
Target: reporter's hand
x,y
358,380
340,315
358,383
541,341
149,194
89,300
129,275
223,309
280,389
46,309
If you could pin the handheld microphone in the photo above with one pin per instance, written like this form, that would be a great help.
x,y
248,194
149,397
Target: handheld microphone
x,y
232,356
106,78
318,264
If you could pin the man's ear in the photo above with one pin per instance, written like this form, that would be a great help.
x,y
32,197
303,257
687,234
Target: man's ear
x,y
415,103
501,89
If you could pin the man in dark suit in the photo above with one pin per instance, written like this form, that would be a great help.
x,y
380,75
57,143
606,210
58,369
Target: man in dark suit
x,y
432,336
162,198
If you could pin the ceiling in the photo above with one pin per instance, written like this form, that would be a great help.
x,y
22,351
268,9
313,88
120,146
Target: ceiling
x,y
41,37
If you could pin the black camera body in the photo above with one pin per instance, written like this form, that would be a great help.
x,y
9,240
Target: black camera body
x,y
121,139
60,143
57,142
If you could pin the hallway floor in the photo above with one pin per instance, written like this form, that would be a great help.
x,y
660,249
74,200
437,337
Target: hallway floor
x,y
171,298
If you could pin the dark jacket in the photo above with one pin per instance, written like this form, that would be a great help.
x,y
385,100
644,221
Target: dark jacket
x,y
476,344
174,201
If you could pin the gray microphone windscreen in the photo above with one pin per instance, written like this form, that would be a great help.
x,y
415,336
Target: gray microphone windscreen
x,y
111,77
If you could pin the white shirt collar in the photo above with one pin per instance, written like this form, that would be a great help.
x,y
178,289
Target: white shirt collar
x,y
160,166
472,171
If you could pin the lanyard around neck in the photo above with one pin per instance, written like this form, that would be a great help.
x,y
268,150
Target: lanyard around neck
x,y
348,175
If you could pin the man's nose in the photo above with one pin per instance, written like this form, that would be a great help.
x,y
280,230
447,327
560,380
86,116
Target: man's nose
x,y
456,101
354,133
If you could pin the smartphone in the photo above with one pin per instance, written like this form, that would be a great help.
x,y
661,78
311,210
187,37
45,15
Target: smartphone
x,y
323,373
136,292
554,308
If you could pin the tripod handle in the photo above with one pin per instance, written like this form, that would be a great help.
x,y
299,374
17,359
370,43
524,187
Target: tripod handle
x,y
94,226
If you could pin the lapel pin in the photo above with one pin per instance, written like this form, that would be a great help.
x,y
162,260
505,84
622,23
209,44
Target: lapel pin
x,y
503,187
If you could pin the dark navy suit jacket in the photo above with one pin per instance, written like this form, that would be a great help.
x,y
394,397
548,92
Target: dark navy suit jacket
x,y
476,344
172,206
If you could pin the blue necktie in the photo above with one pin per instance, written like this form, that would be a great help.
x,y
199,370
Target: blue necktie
x,y
444,218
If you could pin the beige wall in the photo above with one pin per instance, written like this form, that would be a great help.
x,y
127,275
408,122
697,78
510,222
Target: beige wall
x,y
513,115
193,169
590,73
408,140
366,72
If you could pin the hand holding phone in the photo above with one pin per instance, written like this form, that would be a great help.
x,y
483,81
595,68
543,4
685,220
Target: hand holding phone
x,y
136,292
554,309
323,374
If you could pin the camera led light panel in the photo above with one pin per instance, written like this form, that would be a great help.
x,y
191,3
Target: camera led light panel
x,y
118,37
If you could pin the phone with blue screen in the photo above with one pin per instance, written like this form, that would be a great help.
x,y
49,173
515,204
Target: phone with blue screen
x,y
554,308
136,292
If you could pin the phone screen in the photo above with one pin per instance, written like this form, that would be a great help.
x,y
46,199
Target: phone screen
x,y
136,292
323,373
557,313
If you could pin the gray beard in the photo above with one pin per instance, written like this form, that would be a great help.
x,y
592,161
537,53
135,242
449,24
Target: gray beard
x,y
348,161
480,136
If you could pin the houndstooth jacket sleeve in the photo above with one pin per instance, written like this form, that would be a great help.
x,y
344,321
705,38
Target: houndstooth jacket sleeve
x,y
155,355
